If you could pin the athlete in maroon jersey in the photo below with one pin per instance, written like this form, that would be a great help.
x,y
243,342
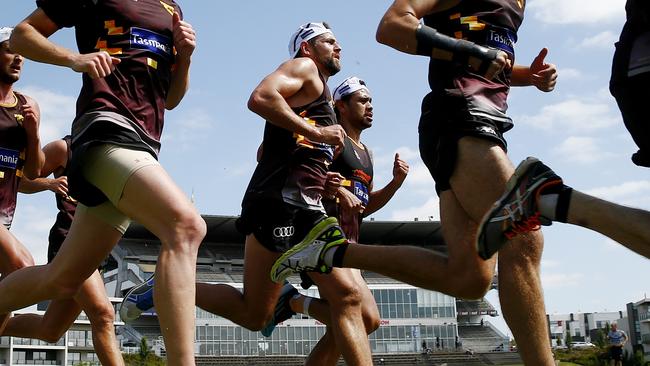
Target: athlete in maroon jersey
x,y
282,204
134,57
462,144
91,298
20,155
349,197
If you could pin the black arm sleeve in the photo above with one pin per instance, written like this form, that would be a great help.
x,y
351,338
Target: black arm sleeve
x,y
428,39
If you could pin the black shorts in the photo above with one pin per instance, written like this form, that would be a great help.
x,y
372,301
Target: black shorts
x,y
56,238
631,95
278,226
616,353
444,121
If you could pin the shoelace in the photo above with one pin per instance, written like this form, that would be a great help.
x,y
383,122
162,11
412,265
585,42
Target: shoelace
x,y
532,223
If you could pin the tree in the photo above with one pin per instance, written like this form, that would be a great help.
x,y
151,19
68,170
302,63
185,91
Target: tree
x,y
567,337
600,339
145,351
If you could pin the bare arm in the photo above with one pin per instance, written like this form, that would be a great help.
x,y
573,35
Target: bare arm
x,y
34,157
29,39
380,198
295,81
397,27
185,43
540,74
56,158
400,28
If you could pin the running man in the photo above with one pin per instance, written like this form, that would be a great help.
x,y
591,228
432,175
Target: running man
x,y
134,58
631,76
461,142
91,298
282,204
20,155
350,198
463,122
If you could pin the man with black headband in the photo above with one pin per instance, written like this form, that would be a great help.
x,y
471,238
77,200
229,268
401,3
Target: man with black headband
x,y
20,155
461,142
134,57
631,77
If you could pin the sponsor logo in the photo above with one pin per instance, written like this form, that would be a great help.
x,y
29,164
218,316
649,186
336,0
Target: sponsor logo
x,y
9,158
283,232
150,41
486,129
361,191
502,39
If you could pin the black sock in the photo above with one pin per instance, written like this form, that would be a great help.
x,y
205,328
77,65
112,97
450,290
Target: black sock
x,y
563,201
339,253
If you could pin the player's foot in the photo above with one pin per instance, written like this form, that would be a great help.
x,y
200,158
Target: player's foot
x,y
307,256
138,300
517,211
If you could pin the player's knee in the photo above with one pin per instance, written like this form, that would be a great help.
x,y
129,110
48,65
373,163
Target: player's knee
x,y
347,296
371,318
101,316
187,231
51,332
258,321
63,286
474,285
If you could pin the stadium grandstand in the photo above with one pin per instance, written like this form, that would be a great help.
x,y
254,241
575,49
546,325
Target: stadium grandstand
x,y
418,327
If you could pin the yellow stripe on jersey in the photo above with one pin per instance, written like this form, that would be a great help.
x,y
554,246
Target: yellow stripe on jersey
x,y
19,173
2,175
152,63
472,22
169,8
112,29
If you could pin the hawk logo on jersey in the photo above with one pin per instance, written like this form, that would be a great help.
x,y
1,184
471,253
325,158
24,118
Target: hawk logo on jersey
x,y
19,118
521,3
169,8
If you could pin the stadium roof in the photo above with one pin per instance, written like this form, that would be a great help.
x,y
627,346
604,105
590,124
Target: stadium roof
x,y
222,231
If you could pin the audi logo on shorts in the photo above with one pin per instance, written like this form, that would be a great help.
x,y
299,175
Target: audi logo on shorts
x,y
283,232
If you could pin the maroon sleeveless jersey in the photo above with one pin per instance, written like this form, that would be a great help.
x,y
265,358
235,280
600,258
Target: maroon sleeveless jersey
x,y
293,168
13,142
355,164
139,33
489,23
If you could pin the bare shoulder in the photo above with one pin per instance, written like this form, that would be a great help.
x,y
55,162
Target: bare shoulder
x,y
301,67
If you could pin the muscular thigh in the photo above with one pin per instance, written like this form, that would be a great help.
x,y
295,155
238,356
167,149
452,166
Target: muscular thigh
x,y
12,253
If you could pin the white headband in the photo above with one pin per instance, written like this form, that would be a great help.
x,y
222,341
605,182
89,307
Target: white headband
x,y
5,34
304,34
349,86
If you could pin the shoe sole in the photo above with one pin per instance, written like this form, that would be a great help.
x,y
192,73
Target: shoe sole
x,y
131,291
521,171
313,234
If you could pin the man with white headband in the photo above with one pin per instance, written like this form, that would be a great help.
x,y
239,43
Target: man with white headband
x,y
350,197
486,205
282,204
20,155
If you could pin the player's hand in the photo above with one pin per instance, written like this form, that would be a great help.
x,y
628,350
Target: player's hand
x,y
31,120
333,135
543,75
97,64
184,37
400,169
349,203
496,66
333,182
59,186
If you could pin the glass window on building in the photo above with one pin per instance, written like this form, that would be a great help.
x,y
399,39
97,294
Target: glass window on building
x,y
74,358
